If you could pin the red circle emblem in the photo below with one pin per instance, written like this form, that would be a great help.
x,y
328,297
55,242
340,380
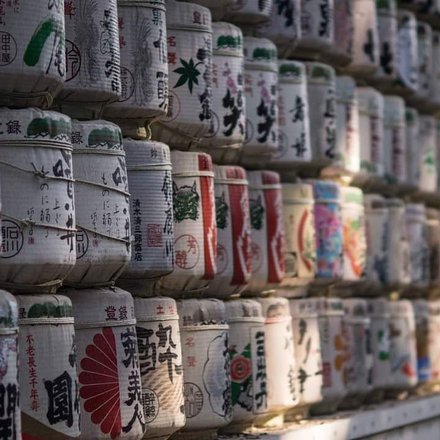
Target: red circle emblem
x,y
241,368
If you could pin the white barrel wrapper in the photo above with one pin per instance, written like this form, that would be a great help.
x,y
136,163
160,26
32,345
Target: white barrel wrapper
x,y
38,215
206,364
9,385
218,8
151,210
433,345
234,257
348,153
433,228
160,361
334,354
102,203
48,378
248,364
245,11
33,57
293,116
189,35
261,92
110,389
195,232
321,90
267,230
93,73
434,86
428,153
412,147
371,132
425,62
144,61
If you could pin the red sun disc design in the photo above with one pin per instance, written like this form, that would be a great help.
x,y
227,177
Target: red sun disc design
x,y
240,368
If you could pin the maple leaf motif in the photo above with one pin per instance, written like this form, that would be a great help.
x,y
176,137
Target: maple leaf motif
x,y
188,73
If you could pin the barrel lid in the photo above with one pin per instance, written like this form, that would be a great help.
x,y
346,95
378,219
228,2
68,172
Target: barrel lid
x,y
260,180
243,308
378,307
44,307
156,4
274,307
301,193
319,73
188,163
189,16
328,306
8,311
101,307
350,194
34,125
227,39
386,7
260,53
325,191
229,175
415,210
294,71
402,307
394,110
355,307
96,135
141,155
155,308
411,115
345,88
201,312
395,203
374,201
406,18
303,308
370,101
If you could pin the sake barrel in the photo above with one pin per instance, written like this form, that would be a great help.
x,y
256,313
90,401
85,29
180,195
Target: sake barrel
x,y
387,28
228,126
371,131
433,345
261,94
398,265
102,203
421,314
434,86
93,71
377,229
293,116
189,37
284,26
47,371
359,366
334,355
317,28
282,392
395,139
412,147
234,258
144,61
206,365
38,215
299,226
428,154
195,232
250,12
160,363
407,56
308,358
365,39
433,233
329,233
33,57
267,230
321,90
110,387
403,353
378,310
416,226
354,234
217,7
248,363
9,386
347,152
151,213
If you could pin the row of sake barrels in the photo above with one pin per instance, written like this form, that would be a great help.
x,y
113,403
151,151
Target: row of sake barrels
x,y
145,368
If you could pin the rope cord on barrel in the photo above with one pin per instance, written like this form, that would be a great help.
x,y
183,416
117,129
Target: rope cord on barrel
x,y
32,288
151,167
29,222
127,240
106,187
194,139
14,96
33,142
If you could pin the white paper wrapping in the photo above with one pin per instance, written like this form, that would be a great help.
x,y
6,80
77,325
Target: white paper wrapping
x,y
160,362
434,86
144,61
234,257
267,230
428,153
38,215
412,147
245,11
206,364
93,73
189,36
110,388
49,396
195,232
9,385
293,116
102,203
433,345
425,60
433,232
32,65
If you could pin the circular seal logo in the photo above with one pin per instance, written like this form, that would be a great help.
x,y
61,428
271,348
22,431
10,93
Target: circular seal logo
x,y
174,107
193,399
150,403
215,125
8,48
73,60
187,252
127,84
241,368
82,243
249,131
12,239
282,145
222,259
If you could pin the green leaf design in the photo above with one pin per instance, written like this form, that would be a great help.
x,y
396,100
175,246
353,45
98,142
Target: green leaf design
x,y
188,74
38,41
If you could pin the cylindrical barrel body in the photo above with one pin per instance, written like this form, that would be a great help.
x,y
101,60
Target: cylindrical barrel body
x,y
428,154
412,147
421,314
249,12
